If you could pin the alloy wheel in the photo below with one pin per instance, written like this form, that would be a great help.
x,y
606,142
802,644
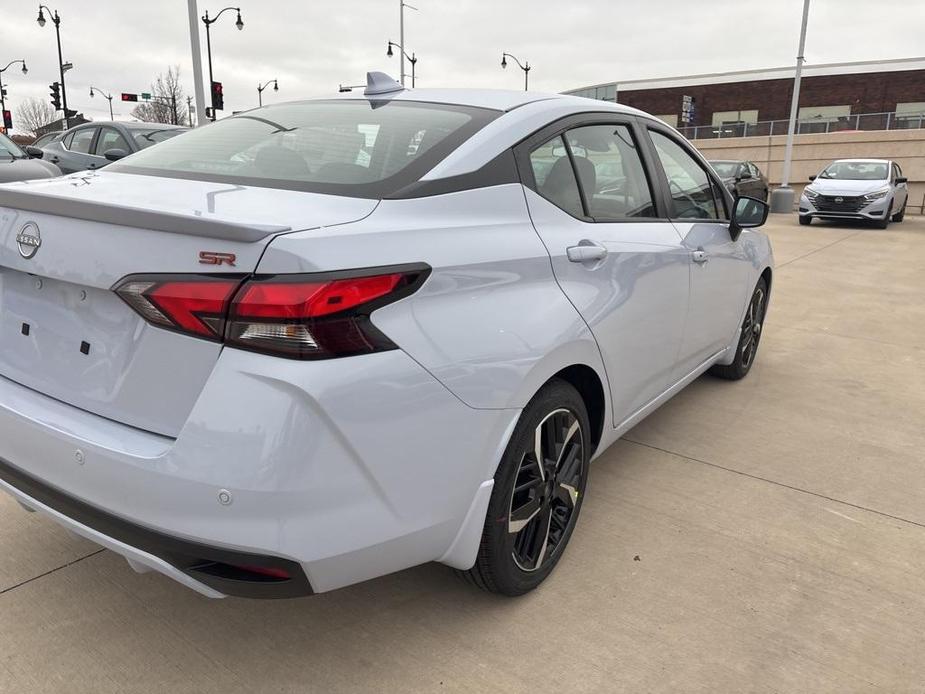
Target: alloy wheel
x,y
546,489
751,327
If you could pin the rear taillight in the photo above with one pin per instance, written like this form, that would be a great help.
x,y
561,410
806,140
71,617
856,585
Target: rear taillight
x,y
296,316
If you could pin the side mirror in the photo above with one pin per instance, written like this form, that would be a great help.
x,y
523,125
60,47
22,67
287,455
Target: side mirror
x,y
812,178
115,154
901,179
743,175
747,213
35,152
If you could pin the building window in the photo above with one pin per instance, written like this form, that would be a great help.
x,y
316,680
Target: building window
x,y
910,114
669,118
822,119
733,123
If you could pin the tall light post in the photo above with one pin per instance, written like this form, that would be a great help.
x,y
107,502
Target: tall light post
x,y
782,197
261,88
525,66
108,97
209,22
411,59
401,37
2,92
57,22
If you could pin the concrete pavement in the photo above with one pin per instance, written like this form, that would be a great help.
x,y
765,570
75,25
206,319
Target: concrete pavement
x,y
760,536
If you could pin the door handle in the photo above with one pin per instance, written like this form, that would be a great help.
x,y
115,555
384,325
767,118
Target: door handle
x,y
586,252
700,256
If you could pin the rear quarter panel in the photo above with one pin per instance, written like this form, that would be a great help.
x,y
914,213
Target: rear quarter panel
x,y
490,323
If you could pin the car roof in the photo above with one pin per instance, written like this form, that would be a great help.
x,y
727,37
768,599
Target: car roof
x,y
727,161
862,161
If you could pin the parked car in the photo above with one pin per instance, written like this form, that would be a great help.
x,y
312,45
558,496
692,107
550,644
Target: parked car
x,y
742,178
868,189
17,164
265,366
94,145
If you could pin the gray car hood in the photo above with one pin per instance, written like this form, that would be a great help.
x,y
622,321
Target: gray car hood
x,y
26,170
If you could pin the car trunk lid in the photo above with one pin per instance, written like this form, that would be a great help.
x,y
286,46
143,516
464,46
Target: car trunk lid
x,y
65,243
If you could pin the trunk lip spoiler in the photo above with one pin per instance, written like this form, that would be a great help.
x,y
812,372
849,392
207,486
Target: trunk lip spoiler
x,y
137,217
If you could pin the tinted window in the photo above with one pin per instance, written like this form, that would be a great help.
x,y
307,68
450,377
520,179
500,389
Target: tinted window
x,y
726,169
689,185
81,140
611,172
555,177
111,139
349,147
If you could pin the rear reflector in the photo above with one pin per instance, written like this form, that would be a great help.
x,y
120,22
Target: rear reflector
x,y
294,316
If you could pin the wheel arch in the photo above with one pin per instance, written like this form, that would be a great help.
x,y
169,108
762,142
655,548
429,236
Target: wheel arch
x,y
588,384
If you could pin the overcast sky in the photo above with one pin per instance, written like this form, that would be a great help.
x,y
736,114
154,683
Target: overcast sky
x,y
312,46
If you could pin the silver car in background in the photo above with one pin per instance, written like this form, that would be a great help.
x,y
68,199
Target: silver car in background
x,y
866,189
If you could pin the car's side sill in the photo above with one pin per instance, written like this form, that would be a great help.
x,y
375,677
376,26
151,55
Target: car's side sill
x,y
665,395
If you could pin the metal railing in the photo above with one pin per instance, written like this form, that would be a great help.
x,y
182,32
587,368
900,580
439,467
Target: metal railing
x,y
854,122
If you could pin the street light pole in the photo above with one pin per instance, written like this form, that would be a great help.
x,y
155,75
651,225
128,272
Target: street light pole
x,y
782,197
196,50
401,39
209,22
57,22
525,67
10,64
261,88
411,59
106,96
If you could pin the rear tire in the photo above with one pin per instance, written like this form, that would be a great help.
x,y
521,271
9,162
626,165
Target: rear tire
x,y
752,327
534,508
805,220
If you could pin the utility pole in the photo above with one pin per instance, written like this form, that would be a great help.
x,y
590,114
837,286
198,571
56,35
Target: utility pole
x,y
189,110
401,35
782,197
198,85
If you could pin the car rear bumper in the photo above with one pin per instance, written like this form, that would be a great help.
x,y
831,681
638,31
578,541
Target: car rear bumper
x,y
332,472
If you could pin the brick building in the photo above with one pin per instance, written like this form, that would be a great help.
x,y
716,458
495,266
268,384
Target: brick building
x,y
879,95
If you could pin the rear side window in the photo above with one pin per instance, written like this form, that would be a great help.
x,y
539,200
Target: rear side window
x,y
555,177
81,141
692,195
611,173
349,147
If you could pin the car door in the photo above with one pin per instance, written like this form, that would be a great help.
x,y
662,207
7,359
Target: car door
x,y
614,253
901,193
109,138
719,266
76,148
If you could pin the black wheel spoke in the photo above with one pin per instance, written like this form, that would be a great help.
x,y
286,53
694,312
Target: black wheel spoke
x,y
545,493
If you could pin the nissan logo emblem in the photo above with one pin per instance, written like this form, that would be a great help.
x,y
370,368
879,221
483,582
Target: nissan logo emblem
x,y
839,199
29,240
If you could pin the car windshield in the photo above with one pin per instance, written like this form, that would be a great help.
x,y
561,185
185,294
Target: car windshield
x,y
351,147
146,138
9,149
726,169
857,171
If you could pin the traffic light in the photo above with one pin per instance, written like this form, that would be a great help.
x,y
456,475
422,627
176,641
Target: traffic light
x,y
8,120
129,97
55,95
218,97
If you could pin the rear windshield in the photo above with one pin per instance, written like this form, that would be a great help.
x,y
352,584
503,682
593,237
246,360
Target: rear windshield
x,y
857,171
146,138
351,147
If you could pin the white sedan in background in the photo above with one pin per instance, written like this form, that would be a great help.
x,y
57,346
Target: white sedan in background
x,y
867,189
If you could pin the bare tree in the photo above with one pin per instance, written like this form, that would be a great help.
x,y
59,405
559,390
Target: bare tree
x,y
32,114
168,100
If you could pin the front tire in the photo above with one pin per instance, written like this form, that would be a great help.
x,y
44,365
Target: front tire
x,y
752,327
805,220
885,222
899,216
538,492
